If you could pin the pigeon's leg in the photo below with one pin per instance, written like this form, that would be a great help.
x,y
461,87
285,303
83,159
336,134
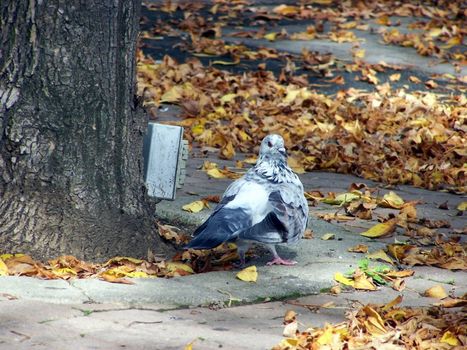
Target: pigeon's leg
x,y
242,248
277,259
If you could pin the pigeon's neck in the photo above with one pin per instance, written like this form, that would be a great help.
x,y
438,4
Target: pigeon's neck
x,y
274,169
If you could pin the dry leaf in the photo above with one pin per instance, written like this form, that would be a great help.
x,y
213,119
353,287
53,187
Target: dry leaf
x,y
361,281
328,236
449,338
380,255
380,230
437,292
336,289
195,207
359,248
339,277
398,284
248,274
392,200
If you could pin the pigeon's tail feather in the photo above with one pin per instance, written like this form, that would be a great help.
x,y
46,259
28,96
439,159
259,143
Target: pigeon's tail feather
x,y
269,230
224,225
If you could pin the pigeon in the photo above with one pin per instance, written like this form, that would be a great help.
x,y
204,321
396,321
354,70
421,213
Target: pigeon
x,y
267,206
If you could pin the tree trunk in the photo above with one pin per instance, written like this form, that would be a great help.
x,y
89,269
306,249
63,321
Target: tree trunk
x,y
71,132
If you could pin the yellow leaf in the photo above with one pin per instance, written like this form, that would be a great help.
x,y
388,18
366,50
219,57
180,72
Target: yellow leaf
x,y
3,268
197,129
449,338
339,277
380,230
194,207
392,303
286,10
226,63
248,274
359,53
326,337
286,343
462,206
437,292
5,257
174,266
395,77
64,272
123,259
228,151
328,236
456,40
215,173
362,282
172,95
270,36
227,98
342,198
380,255
392,200
138,274
374,323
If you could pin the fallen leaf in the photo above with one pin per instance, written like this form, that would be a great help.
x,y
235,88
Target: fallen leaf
x,y
400,273
336,289
341,198
437,292
328,236
392,200
176,267
326,337
380,230
398,284
339,277
194,207
462,206
308,234
397,300
359,248
248,274
380,255
449,302
270,36
361,281
3,268
449,338
374,323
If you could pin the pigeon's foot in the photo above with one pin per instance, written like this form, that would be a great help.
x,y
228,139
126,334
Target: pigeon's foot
x,y
280,261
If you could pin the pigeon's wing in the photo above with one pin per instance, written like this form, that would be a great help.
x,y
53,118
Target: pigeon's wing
x,y
236,212
287,219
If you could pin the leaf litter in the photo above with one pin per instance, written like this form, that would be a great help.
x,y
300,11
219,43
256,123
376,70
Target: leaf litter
x,y
382,326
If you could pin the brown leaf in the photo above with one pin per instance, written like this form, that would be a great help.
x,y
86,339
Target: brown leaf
x,y
359,248
437,292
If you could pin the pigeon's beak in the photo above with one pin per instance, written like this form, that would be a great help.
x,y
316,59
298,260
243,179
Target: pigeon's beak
x,y
283,151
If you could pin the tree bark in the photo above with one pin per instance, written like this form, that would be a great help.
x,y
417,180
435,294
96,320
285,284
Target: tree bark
x,y
71,131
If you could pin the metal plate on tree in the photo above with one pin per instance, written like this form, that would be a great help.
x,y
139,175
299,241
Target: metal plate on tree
x,y
164,160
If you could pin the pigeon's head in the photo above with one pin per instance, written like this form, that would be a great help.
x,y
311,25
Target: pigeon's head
x,y
273,146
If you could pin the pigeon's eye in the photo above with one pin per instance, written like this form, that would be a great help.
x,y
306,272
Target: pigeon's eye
x,y
269,144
